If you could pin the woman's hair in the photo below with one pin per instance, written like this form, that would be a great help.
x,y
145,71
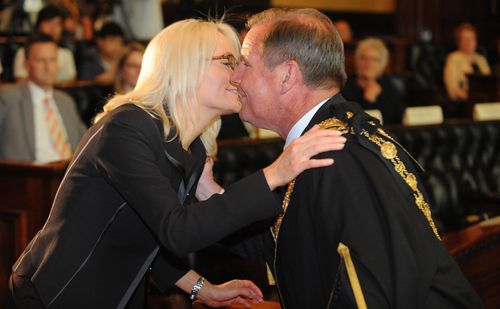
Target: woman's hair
x,y
463,27
132,47
376,44
174,63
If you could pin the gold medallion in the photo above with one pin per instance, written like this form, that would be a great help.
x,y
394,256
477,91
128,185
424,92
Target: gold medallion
x,y
388,150
411,180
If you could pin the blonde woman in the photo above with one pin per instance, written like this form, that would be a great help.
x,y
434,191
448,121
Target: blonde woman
x,y
126,203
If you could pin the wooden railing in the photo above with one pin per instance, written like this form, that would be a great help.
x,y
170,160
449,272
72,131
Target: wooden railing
x,y
26,194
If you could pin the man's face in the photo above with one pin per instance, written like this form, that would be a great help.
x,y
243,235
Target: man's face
x,y
41,64
52,27
258,86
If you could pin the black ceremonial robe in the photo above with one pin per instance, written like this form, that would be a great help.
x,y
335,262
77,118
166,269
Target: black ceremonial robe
x,y
364,203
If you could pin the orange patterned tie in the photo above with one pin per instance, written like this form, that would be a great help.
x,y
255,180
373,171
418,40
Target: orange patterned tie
x,y
56,131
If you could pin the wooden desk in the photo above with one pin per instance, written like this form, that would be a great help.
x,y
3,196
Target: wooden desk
x,y
26,194
477,251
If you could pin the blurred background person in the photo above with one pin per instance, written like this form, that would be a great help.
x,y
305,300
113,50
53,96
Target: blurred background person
x,y
100,63
50,21
37,122
345,31
370,87
465,60
129,68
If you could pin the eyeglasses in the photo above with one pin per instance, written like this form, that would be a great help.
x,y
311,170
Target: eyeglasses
x,y
232,61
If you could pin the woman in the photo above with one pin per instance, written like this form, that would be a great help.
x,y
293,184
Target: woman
x,y
458,64
369,87
129,68
126,202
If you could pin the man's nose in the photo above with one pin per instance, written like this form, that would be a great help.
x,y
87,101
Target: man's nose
x,y
236,76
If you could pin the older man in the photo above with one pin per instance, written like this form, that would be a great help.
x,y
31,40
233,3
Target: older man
x,y
38,123
359,232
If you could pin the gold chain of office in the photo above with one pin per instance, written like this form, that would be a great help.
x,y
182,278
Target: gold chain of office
x,y
388,151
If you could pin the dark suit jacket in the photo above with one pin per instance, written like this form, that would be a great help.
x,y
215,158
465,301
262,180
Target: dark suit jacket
x,y
120,202
362,202
17,133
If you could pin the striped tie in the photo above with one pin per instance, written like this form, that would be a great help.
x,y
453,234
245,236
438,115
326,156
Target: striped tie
x,y
56,129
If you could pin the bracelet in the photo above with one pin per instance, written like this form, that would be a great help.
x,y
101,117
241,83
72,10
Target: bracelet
x,y
196,289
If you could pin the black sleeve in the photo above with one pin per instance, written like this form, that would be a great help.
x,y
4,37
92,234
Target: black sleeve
x,y
129,158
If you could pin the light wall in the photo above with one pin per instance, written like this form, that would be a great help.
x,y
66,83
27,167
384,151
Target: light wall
x,y
367,6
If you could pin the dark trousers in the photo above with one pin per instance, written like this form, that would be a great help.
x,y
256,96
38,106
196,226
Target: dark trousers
x,y
24,293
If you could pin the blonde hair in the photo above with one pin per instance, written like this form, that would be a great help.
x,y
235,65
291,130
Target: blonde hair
x,y
376,44
174,63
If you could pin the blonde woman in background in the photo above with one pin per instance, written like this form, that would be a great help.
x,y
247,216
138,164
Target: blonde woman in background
x,y
127,202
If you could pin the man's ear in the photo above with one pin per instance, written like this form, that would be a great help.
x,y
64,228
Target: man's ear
x,y
290,75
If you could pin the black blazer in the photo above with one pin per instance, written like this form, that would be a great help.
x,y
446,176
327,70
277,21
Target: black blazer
x,y
119,204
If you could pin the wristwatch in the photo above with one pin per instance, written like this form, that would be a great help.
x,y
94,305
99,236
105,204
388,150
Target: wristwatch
x,y
196,289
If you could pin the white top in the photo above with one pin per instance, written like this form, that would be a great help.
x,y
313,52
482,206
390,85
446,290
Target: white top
x,y
136,11
44,151
457,67
66,69
300,125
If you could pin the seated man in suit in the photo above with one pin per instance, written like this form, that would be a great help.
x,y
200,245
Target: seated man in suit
x,y
38,123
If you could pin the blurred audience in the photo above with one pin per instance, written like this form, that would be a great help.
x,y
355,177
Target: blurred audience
x,y
344,30
101,63
465,60
37,122
370,87
129,68
50,21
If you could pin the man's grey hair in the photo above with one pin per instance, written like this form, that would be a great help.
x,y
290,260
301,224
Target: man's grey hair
x,y
308,37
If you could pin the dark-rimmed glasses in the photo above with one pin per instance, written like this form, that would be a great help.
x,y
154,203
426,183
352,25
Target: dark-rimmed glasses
x,y
232,61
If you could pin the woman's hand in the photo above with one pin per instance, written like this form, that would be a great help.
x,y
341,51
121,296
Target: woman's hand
x,y
297,156
207,185
229,293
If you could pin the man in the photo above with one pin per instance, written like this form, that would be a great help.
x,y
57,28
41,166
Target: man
x,y
101,64
357,233
50,21
38,123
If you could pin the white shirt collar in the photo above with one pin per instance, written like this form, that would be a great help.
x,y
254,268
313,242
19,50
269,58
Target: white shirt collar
x,y
300,125
37,92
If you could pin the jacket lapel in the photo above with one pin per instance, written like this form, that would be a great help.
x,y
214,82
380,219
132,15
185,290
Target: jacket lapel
x,y
189,165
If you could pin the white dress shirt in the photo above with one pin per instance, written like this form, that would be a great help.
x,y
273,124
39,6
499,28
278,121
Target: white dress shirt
x,y
300,125
44,151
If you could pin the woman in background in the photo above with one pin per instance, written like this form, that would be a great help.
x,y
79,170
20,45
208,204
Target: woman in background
x,y
369,87
129,68
465,60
